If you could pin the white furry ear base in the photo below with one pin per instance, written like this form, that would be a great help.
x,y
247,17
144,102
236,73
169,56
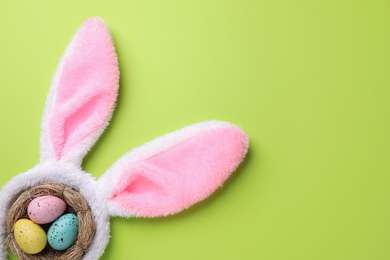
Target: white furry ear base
x,y
174,171
82,95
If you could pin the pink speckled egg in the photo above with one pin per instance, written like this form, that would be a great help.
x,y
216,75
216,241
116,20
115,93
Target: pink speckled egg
x,y
46,209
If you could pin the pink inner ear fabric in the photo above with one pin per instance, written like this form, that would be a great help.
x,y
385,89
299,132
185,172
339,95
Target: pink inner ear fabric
x,y
87,82
186,173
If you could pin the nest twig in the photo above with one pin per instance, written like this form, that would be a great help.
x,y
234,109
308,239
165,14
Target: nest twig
x,y
76,204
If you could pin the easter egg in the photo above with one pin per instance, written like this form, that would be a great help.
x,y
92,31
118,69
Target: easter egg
x,y
30,237
63,232
46,209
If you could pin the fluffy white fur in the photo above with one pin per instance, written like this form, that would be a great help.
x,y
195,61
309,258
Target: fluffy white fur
x,y
97,193
68,172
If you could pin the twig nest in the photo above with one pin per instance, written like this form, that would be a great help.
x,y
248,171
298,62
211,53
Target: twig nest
x,y
75,204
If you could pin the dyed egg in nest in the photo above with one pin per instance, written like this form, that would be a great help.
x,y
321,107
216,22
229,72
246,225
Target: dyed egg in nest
x,y
46,209
30,237
63,232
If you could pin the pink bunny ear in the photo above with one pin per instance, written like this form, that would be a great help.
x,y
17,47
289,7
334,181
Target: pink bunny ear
x,y
174,171
82,94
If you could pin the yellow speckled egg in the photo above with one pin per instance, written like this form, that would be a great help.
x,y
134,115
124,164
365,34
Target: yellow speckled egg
x,y
30,237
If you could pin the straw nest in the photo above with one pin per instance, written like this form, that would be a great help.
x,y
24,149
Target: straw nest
x,y
76,204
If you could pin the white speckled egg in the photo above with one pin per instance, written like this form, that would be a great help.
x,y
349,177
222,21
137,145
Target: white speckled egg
x,y
30,237
63,232
46,209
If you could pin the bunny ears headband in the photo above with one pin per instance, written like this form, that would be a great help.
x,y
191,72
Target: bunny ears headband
x,y
159,178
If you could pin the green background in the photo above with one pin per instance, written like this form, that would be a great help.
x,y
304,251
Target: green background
x,y
307,80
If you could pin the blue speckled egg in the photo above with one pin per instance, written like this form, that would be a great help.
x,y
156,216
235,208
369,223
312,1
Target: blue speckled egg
x,y
63,232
